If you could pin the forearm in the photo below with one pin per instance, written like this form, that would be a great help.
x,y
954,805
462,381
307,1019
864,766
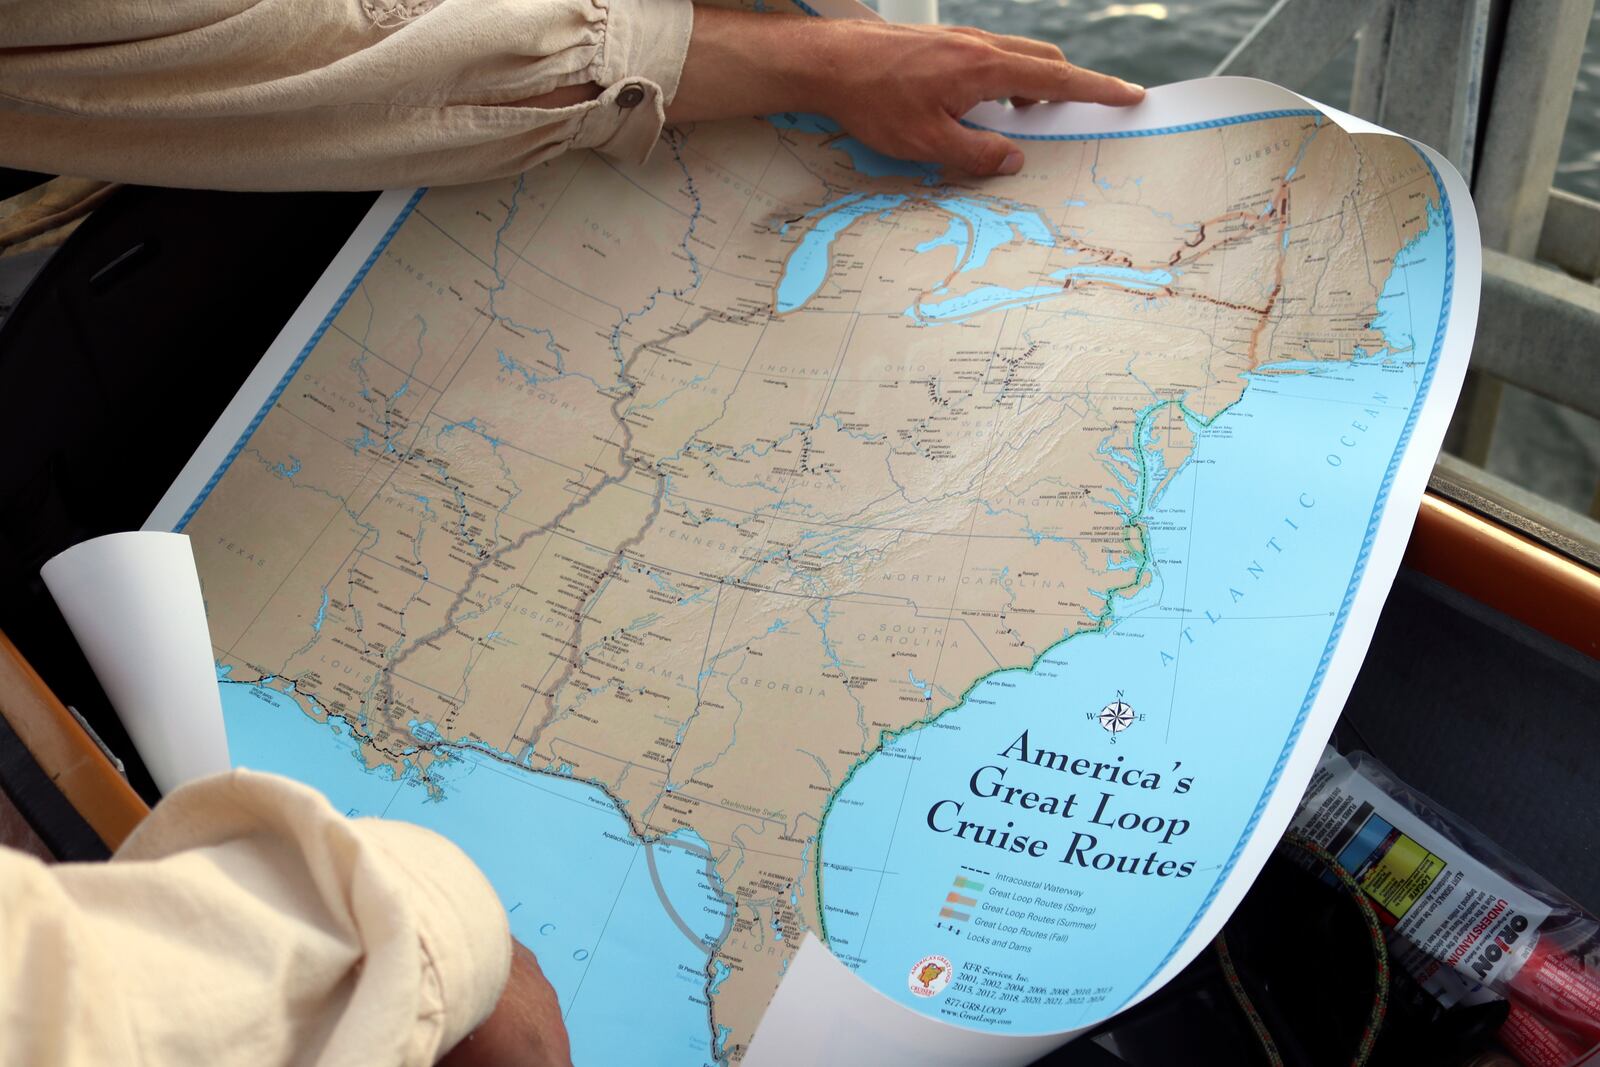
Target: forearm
x,y
743,64
247,922
278,94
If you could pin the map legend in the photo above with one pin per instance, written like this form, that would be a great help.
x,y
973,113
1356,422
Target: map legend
x,y
957,899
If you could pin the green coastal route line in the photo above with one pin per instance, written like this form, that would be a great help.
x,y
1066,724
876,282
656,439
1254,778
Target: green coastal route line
x,y
1105,620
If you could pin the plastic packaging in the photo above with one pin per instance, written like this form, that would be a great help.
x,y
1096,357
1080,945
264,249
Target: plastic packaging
x,y
1536,1043
1466,919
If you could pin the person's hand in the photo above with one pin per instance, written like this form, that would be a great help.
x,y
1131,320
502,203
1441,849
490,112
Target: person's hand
x,y
898,89
901,89
525,1028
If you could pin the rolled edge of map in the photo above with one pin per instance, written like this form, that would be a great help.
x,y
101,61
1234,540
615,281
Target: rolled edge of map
x,y
823,1012
133,602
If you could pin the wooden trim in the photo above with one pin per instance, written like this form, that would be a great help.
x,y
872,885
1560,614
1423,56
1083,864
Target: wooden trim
x,y
1508,571
65,752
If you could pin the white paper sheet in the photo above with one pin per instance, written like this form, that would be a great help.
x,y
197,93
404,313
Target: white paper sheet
x,y
133,602
823,1012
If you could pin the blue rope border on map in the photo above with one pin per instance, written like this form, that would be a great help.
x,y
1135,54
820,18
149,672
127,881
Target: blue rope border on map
x,y
1155,131
283,383
1356,574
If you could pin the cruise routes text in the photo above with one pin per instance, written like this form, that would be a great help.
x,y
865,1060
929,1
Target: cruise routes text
x,y
1102,823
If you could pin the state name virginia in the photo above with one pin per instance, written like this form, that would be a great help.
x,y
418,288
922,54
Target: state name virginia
x,y
563,481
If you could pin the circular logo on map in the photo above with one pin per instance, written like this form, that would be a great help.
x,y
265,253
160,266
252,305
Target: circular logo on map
x,y
929,977
1116,716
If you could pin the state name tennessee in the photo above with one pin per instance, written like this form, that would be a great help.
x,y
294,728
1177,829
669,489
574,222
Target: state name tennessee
x,y
1105,822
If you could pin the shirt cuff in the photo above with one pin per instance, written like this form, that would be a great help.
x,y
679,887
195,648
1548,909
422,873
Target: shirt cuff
x,y
646,41
640,66
391,894
465,935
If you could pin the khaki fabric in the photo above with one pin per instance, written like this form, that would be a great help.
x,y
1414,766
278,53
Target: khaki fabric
x,y
247,922
328,94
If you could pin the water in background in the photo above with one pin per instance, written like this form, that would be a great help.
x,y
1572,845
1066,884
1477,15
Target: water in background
x,y
1154,43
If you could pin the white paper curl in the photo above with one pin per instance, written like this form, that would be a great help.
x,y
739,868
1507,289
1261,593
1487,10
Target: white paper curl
x,y
133,602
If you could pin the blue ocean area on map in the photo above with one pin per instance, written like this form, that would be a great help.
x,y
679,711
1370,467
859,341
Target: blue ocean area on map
x,y
552,847
1257,534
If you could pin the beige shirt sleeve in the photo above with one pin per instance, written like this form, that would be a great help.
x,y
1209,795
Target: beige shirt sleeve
x,y
246,922
328,94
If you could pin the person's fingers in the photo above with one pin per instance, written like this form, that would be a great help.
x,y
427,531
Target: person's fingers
x,y
1022,46
525,1027
978,152
1044,79
543,1007
1027,46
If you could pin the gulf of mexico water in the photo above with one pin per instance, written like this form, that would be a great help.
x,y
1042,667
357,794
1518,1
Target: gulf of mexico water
x,y
1154,43
1253,546
622,929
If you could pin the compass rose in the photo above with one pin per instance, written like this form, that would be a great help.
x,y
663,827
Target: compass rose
x,y
1116,716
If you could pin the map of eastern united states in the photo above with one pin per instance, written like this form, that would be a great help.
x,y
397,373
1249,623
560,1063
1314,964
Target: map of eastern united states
x,y
586,475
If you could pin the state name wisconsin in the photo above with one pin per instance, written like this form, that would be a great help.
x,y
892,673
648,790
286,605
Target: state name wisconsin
x,y
569,479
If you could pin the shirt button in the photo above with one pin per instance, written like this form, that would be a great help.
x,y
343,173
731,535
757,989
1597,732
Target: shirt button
x,y
632,96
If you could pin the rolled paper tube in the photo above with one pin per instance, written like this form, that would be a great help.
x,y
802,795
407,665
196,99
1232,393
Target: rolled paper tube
x,y
133,602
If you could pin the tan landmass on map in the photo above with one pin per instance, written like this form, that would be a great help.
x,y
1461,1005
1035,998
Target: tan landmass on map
x,y
560,480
